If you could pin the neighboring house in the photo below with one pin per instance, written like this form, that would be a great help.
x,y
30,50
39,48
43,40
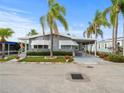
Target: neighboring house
x,y
106,45
64,42
10,47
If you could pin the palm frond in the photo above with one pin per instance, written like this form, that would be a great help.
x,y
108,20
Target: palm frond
x,y
43,23
62,20
55,28
5,33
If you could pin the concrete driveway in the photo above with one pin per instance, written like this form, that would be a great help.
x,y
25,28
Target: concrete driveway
x,y
39,78
88,60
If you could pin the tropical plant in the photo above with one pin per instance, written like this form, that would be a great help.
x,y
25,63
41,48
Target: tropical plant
x,y
43,23
33,32
55,13
122,11
114,10
95,27
4,34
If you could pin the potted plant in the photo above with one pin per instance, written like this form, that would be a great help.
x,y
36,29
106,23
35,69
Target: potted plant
x,y
67,58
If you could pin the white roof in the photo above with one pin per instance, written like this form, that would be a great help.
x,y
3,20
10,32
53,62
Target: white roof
x,y
42,42
110,40
61,34
68,42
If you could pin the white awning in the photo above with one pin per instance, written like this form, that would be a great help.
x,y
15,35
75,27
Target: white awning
x,y
40,42
68,42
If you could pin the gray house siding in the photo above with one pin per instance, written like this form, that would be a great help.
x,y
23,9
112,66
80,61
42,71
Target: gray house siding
x,y
56,40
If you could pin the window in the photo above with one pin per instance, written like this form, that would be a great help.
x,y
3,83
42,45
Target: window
x,y
105,46
99,46
118,43
65,46
45,46
35,46
40,46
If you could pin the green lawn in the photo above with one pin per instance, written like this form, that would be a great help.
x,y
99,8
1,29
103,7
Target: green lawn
x,y
8,58
42,59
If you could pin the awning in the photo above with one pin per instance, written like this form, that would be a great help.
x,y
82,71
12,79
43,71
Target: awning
x,y
40,42
68,42
10,43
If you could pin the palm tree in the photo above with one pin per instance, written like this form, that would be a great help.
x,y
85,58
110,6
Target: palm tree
x,y
55,13
122,11
94,27
33,32
4,34
114,10
91,31
98,21
42,22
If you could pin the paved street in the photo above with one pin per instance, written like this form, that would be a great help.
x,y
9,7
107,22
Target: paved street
x,y
39,78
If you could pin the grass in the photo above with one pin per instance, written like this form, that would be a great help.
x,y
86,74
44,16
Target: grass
x,y
8,58
42,59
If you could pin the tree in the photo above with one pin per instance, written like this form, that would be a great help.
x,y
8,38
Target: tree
x,y
122,11
4,34
55,13
114,10
33,32
95,26
43,23
91,31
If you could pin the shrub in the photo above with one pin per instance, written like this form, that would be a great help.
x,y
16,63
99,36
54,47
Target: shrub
x,y
102,54
68,58
115,58
47,53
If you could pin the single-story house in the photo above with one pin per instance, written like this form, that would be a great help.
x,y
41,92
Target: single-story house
x,y
106,45
64,42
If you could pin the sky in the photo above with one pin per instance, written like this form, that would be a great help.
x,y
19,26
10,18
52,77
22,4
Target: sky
x,y
24,15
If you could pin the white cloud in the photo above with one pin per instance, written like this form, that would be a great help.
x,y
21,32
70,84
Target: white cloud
x,y
13,10
19,24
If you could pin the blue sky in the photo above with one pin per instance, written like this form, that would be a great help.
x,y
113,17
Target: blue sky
x,y
23,15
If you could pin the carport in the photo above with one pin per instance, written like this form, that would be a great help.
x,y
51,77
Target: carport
x,y
7,44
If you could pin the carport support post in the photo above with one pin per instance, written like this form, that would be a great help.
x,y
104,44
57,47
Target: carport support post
x,y
25,46
95,47
89,48
8,49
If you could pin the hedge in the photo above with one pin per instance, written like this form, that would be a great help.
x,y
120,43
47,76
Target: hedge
x,y
116,58
111,57
47,53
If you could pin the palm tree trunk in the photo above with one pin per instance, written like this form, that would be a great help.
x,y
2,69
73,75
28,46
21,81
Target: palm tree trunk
x,y
116,33
95,41
113,40
51,47
3,50
123,35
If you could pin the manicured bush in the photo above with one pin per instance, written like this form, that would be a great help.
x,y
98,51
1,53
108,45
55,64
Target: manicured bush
x,y
68,58
47,53
43,53
102,54
115,58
